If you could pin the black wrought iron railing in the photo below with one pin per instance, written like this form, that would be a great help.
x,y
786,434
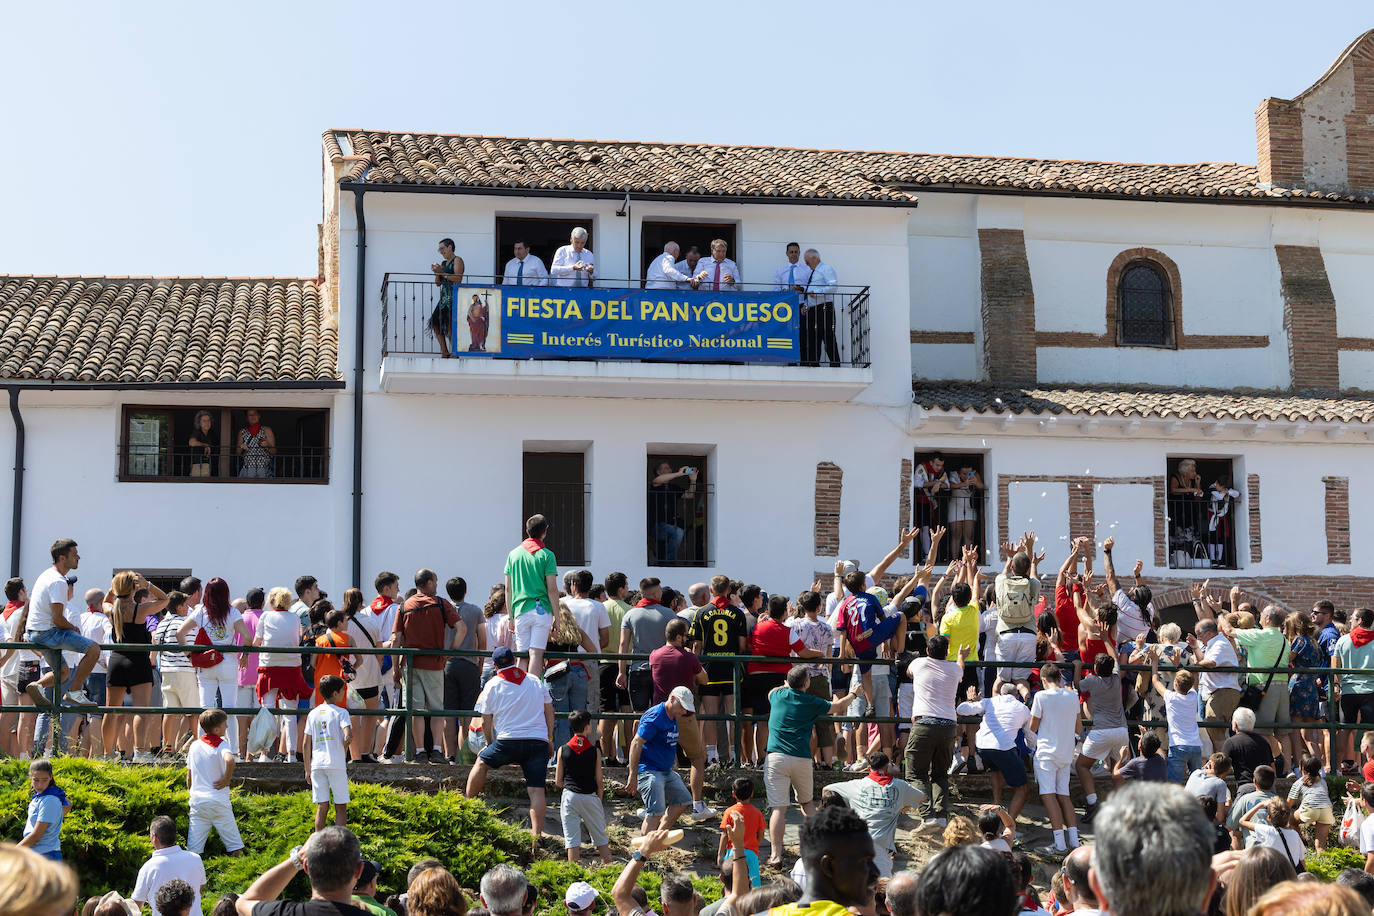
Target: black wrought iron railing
x,y
963,514
567,504
678,529
412,309
199,465
1202,532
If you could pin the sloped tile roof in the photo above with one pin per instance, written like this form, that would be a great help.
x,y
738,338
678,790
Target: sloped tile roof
x,y
177,329
696,169
1148,401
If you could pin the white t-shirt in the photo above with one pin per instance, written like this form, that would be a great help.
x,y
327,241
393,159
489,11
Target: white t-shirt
x,y
96,626
591,617
934,684
163,866
279,628
1276,838
222,635
1130,619
206,765
1003,716
518,709
49,589
1367,835
325,727
1220,651
1057,710
368,668
998,843
1180,709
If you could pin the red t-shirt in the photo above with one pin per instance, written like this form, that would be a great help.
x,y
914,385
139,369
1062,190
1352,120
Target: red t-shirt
x,y
1067,616
421,626
753,823
672,667
1369,771
772,638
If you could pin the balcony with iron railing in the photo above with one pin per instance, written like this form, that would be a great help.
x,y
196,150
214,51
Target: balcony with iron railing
x,y
168,464
615,338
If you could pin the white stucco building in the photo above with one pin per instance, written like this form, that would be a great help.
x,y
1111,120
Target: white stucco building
x,y
1071,330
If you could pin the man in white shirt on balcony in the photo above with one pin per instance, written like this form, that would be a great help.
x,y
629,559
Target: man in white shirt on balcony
x,y
719,274
525,269
663,272
688,266
818,312
794,274
574,264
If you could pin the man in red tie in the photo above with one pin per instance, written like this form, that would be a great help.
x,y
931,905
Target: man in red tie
x,y
719,273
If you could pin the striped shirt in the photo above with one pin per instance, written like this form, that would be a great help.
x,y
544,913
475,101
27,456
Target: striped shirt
x,y
166,634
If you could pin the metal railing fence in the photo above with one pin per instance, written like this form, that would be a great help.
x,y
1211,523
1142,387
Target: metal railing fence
x,y
407,658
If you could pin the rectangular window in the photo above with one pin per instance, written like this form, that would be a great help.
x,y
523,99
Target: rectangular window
x,y
949,489
224,444
543,237
679,508
1202,513
555,486
164,578
654,235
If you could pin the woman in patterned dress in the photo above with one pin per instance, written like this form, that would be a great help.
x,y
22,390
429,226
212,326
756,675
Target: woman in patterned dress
x,y
1304,694
257,445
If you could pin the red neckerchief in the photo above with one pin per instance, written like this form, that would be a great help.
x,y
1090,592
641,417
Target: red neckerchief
x,y
1029,902
645,602
380,604
579,744
212,740
512,673
721,601
1360,636
254,429
11,607
881,779
533,545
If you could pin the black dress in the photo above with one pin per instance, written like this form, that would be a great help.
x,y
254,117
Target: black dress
x,y
131,668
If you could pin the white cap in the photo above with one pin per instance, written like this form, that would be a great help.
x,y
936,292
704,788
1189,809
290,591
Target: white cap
x,y
580,894
684,696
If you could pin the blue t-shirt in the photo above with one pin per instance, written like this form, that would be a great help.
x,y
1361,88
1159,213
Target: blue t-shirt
x,y
45,809
659,731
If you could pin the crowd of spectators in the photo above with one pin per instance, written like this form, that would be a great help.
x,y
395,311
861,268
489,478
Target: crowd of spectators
x,y
1082,681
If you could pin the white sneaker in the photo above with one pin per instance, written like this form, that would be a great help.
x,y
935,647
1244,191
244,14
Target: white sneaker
x,y
934,823
641,813
1053,851
263,758
79,698
957,764
144,757
703,812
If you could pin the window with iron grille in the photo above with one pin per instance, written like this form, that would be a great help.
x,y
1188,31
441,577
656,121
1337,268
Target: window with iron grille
x,y
1144,307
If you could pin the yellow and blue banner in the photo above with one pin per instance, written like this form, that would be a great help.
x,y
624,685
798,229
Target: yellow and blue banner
x,y
556,322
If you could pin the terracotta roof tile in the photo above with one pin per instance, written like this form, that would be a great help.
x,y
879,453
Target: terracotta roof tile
x,y
1148,402
383,157
176,329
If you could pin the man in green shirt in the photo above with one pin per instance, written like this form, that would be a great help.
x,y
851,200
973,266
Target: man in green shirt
x,y
791,719
1266,648
365,891
532,593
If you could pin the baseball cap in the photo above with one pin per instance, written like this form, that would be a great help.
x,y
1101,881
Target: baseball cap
x,y
370,871
503,657
684,696
580,895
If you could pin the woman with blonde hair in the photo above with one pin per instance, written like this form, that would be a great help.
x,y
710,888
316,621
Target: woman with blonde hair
x,y
960,831
280,684
31,885
1309,898
568,688
435,892
1256,870
129,603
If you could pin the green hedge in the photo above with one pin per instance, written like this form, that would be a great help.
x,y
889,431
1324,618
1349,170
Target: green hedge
x,y
1336,859
105,837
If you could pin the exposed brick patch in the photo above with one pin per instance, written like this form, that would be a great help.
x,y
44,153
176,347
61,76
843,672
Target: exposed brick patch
x,y
942,337
1278,136
1008,306
904,503
1309,317
1082,514
1252,485
1337,519
829,480
1161,522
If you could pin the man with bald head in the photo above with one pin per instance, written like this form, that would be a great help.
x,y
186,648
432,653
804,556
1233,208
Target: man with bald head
x,y
1075,870
818,311
663,272
699,595
901,894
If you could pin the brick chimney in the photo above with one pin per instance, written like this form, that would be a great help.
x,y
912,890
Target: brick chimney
x,y
1323,140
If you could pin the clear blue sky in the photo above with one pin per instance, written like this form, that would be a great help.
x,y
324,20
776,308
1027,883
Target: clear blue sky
x,y
176,138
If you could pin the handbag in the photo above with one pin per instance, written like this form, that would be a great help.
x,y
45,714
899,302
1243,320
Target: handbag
x,y
209,658
200,469
1251,697
554,672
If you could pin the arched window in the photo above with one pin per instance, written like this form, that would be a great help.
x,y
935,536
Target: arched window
x,y
1144,305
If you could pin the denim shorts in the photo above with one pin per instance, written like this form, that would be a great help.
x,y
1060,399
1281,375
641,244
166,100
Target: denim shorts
x,y
58,638
660,788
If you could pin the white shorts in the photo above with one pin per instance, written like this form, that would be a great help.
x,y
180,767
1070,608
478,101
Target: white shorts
x,y
1102,743
532,631
324,783
180,688
1051,777
1015,647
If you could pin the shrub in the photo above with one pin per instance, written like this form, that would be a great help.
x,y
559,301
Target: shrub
x,y
1327,865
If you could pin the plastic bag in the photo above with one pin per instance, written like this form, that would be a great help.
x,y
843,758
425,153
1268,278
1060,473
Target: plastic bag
x,y
477,741
1351,822
262,733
